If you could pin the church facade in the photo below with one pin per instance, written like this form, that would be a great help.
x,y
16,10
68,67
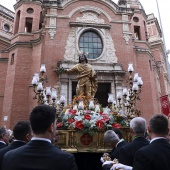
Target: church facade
x,y
54,32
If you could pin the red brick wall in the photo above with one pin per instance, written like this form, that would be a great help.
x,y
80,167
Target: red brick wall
x,y
16,104
3,72
18,93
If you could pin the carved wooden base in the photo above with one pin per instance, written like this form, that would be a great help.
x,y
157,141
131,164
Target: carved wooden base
x,y
73,141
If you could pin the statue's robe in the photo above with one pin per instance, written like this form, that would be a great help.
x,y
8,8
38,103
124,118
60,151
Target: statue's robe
x,y
87,80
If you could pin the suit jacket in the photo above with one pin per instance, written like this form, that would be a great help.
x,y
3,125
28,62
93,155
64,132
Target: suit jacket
x,y
127,152
2,145
38,155
12,146
115,153
155,156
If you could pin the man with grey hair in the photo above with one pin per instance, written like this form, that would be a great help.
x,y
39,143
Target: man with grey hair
x,y
112,139
156,155
4,137
137,131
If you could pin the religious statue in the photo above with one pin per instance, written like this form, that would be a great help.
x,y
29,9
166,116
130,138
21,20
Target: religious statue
x,y
87,78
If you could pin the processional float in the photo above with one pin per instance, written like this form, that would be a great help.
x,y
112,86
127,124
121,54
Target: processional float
x,y
82,123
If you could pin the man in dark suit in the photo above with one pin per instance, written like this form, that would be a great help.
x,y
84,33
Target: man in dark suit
x,y
121,143
137,130
22,135
112,139
116,149
39,153
4,137
156,155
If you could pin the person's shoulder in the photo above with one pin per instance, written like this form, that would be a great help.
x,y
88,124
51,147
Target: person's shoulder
x,y
131,145
140,140
61,152
5,149
124,142
126,148
10,154
121,144
128,145
145,150
16,150
2,145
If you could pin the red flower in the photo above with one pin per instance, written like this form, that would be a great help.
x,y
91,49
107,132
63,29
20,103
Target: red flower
x,y
73,112
100,124
70,120
87,116
59,124
116,125
79,125
101,113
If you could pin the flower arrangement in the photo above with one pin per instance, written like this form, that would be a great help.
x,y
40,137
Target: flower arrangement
x,y
88,117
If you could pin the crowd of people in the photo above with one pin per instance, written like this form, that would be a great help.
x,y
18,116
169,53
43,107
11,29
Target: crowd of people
x,y
32,145
151,152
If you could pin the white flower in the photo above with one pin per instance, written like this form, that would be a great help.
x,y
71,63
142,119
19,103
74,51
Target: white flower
x,y
93,123
67,112
78,118
96,116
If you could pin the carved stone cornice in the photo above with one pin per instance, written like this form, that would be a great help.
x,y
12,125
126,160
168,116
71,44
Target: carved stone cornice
x,y
24,43
81,24
20,2
7,12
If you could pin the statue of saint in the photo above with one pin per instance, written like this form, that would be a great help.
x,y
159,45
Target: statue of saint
x,y
87,78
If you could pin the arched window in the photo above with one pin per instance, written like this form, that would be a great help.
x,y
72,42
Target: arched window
x,y
17,22
91,44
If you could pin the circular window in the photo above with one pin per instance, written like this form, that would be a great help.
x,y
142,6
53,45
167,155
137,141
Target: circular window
x,y
91,44
30,10
136,19
6,27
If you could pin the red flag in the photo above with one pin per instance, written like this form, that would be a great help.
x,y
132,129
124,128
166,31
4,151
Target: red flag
x,y
165,105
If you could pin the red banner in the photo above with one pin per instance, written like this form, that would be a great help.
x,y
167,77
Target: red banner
x,y
165,105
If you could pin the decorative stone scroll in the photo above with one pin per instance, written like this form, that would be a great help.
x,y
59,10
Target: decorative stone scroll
x,y
126,31
52,24
110,49
126,38
71,46
52,33
90,17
